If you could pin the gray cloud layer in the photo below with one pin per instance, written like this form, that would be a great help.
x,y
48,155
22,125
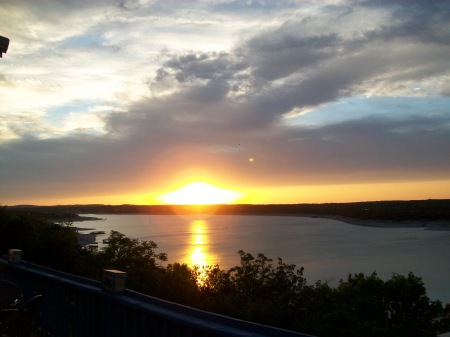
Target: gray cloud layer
x,y
223,107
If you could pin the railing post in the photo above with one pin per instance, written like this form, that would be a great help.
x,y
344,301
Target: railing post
x,y
15,255
114,281
76,306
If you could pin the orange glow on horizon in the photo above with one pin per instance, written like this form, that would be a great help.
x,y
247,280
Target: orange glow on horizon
x,y
200,193
340,193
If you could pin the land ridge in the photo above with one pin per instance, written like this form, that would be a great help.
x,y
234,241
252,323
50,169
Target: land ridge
x,y
390,212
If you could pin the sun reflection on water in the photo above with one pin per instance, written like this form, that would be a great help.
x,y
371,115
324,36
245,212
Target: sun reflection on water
x,y
198,244
198,251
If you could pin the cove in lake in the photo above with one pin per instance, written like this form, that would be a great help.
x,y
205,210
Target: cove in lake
x,y
328,249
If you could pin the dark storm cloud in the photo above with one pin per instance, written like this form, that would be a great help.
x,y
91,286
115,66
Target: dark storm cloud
x,y
427,22
321,68
412,148
282,52
205,66
209,76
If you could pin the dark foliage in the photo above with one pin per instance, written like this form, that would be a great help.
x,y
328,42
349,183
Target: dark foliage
x,y
43,242
137,258
380,210
257,289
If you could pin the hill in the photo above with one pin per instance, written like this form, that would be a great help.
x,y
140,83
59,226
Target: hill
x,y
429,210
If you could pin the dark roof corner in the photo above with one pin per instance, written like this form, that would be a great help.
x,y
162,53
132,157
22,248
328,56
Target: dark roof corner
x,y
4,43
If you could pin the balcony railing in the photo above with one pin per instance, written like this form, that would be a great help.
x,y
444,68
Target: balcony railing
x,y
74,306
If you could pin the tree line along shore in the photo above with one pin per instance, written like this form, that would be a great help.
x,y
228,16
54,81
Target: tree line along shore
x,y
424,210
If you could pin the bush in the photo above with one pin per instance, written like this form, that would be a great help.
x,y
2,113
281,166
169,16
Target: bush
x,y
45,243
256,290
137,258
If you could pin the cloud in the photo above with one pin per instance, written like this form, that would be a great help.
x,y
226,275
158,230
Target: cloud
x,y
280,53
132,93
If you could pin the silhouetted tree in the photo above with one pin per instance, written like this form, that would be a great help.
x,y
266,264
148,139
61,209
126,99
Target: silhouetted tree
x,y
256,290
178,283
138,258
43,242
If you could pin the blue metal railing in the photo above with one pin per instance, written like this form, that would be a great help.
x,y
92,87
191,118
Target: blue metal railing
x,y
74,306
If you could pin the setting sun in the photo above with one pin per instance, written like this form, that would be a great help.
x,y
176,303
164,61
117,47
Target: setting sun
x,y
200,193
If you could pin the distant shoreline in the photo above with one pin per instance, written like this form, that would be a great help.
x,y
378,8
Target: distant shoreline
x,y
437,225
76,218
427,214
372,213
441,225
434,225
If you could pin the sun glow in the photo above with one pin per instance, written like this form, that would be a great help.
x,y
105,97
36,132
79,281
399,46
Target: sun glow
x,y
200,193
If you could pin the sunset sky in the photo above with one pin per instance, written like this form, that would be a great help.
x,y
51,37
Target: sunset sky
x,y
115,101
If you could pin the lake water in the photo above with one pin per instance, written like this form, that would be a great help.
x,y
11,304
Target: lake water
x,y
327,249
